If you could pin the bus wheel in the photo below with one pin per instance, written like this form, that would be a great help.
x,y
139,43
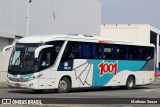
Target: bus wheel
x,y
130,83
64,85
38,91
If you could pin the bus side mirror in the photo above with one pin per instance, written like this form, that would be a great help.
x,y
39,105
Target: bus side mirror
x,y
38,50
7,47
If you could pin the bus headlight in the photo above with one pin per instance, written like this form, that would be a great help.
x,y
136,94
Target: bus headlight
x,y
34,77
31,78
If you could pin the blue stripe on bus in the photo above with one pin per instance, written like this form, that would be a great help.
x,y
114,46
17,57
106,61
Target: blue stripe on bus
x,y
99,80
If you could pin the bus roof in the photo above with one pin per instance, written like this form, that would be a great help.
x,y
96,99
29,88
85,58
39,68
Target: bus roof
x,y
74,37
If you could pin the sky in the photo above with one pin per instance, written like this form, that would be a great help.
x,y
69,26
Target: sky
x,y
131,12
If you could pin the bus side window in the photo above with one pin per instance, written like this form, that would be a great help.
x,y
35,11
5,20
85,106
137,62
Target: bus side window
x,y
108,51
134,53
148,53
101,48
46,58
72,51
75,51
65,54
121,53
93,51
86,51
97,52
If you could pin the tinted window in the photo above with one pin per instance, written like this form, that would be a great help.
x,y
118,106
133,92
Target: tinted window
x,y
48,56
86,50
108,52
148,53
121,52
72,51
135,53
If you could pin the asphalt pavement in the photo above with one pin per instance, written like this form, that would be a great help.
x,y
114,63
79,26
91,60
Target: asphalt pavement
x,y
148,91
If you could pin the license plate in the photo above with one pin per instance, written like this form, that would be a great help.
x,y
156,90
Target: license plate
x,y
17,84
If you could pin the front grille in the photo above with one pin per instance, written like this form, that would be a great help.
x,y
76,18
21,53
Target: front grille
x,y
18,79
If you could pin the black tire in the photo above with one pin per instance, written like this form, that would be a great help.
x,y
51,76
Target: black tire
x,y
130,83
38,91
64,85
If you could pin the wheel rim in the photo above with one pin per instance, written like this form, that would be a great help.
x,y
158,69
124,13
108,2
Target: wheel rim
x,y
63,85
130,83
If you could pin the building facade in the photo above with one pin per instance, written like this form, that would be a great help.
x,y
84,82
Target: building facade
x,y
51,16
134,33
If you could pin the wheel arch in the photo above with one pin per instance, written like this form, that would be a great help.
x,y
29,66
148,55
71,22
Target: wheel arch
x,y
64,84
130,82
68,77
132,75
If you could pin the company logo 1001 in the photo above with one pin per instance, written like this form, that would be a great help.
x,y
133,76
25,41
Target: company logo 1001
x,y
108,68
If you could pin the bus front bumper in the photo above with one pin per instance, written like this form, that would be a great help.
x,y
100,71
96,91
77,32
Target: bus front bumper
x,y
32,84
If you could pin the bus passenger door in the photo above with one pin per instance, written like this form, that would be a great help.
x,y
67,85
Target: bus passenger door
x,y
45,62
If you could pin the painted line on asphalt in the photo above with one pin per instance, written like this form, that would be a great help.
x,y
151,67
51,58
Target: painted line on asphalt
x,y
128,106
152,90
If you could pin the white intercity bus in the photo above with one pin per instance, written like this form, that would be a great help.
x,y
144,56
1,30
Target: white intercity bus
x,y
62,62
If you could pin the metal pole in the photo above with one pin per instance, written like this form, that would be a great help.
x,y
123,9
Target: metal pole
x,y
27,17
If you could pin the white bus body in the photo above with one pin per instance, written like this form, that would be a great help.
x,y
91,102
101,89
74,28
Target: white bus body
x,y
63,62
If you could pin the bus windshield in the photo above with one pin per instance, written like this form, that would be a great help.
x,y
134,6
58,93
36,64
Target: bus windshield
x,y
22,60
